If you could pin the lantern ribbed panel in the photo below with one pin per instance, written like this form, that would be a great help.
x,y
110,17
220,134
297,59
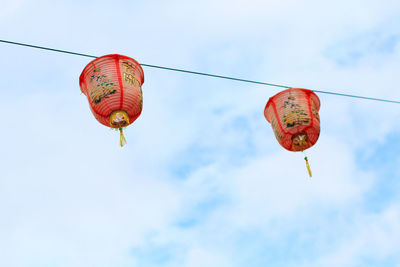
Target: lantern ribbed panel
x,y
291,112
111,83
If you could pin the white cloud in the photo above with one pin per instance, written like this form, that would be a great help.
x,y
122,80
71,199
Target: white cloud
x,y
374,239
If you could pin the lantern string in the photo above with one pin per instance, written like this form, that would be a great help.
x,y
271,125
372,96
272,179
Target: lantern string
x,y
122,140
206,74
308,167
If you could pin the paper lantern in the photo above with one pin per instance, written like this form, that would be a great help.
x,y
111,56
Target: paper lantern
x,y
293,114
113,86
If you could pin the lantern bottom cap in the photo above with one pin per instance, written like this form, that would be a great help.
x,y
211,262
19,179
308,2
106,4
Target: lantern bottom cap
x,y
300,142
119,119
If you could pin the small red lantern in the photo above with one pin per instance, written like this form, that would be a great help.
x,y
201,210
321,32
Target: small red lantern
x,y
293,114
113,86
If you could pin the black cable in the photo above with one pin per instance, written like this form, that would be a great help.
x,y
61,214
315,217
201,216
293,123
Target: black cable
x,y
46,48
204,74
215,76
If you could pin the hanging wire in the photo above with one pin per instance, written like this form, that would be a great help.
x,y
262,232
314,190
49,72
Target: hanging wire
x,y
205,74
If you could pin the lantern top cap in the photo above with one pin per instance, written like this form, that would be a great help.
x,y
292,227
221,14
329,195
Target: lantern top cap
x,y
307,91
116,57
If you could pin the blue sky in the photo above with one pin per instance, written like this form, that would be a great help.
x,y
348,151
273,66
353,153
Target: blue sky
x,y
202,180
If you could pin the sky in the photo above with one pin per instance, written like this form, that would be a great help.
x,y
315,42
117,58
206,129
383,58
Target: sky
x,y
202,180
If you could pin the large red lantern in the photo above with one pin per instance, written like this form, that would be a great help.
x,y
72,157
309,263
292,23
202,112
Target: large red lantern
x,y
293,114
113,86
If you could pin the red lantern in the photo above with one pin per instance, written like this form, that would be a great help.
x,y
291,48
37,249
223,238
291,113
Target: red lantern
x,y
293,114
113,86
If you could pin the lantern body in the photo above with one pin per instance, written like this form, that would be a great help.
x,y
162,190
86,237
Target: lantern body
x,y
293,114
113,86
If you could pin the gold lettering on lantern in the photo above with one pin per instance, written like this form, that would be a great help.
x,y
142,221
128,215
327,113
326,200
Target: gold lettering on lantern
x,y
130,79
129,74
140,95
128,67
276,132
315,110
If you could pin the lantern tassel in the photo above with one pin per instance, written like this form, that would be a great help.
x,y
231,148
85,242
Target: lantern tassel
x,y
122,140
308,167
